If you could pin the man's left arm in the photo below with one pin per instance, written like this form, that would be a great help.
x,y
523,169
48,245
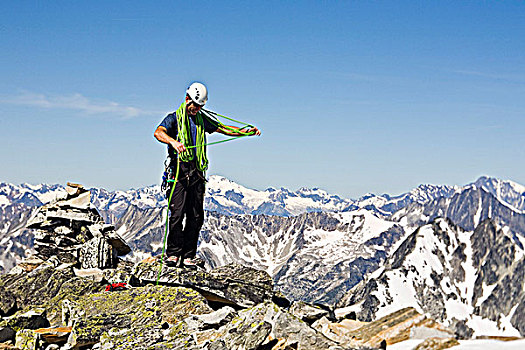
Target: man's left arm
x,y
235,131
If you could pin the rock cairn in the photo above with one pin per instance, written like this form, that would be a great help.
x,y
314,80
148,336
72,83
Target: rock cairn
x,y
71,231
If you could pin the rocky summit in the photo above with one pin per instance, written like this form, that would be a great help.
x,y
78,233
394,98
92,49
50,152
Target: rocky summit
x,y
436,280
76,293
160,307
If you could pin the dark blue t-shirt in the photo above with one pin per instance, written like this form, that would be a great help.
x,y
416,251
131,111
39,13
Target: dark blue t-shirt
x,y
170,123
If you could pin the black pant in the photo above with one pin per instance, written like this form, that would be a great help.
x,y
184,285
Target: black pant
x,y
187,201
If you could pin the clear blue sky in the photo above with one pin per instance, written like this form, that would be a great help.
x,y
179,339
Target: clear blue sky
x,y
351,96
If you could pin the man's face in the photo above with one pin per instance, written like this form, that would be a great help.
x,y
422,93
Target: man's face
x,y
191,107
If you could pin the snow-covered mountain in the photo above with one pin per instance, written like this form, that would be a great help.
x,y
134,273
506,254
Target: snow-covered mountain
x,y
505,191
468,207
386,205
227,197
471,281
312,257
27,194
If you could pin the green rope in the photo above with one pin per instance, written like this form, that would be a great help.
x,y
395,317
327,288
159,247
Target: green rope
x,y
167,219
184,134
174,181
225,117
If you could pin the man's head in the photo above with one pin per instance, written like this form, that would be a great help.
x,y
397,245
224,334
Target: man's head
x,y
196,97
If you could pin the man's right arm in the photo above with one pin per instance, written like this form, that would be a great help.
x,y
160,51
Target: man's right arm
x,y
161,134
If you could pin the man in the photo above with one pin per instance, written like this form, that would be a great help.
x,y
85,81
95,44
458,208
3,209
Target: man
x,y
181,130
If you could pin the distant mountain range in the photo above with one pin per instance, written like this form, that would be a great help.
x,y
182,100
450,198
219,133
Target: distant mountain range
x,y
317,246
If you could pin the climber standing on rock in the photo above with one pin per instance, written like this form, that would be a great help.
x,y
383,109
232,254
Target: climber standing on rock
x,y
184,133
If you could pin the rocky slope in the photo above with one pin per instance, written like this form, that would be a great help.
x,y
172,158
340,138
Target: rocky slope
x,y
231,307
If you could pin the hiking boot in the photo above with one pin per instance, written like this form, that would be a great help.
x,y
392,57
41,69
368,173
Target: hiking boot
x,y
173,261
193,263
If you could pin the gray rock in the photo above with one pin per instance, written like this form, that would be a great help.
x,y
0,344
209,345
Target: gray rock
x,y
28,340
64,254
306,312
80,201
7,334
230,284
95,274
461,329
33,319
73,231
98,253
8,304
118,243
130,339
214,319
100,229
283,326
247,336
35,287
144,310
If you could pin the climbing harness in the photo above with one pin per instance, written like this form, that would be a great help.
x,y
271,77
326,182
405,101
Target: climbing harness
x,y
202,162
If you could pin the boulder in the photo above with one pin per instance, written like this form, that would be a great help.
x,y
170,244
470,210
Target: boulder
x,y
8,304
87,331
27,265
396,327
108,231
68,254
95,274
306,312
130,339
32,319
37,286
26,339
247,336
138,312
98,253
7,334
266,318
46,287
231,284
212,320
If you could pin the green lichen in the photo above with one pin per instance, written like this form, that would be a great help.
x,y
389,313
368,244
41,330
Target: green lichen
x,y
144,310
26,339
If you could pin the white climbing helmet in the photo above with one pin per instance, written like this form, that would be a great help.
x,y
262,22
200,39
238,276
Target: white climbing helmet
x,y
198,93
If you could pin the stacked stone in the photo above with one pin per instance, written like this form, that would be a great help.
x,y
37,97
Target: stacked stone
x,y
71,231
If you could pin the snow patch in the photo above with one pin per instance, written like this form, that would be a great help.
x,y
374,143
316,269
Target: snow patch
x,y
4,200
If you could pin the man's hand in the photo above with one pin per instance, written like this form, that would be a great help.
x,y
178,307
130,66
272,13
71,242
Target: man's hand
x,y
161,134
179,147
254,131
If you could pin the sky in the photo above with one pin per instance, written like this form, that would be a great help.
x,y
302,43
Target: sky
x,y
351,96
